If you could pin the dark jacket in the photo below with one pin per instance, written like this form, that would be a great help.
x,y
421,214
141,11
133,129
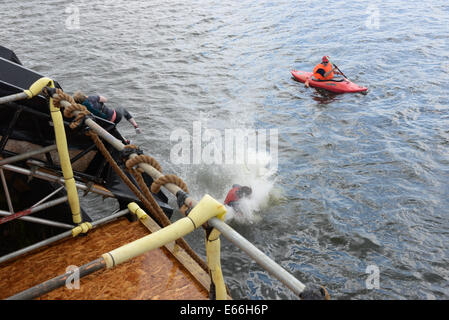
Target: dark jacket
x,y
93,104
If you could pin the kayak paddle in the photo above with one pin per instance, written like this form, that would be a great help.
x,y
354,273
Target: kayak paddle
x,y
337,68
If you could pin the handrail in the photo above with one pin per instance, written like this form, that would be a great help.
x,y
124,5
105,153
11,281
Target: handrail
x,y
14,97
60,236
64,159
29,211
52,178
27,155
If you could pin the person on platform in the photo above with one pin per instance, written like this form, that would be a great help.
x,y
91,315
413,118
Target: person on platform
x,y
96,105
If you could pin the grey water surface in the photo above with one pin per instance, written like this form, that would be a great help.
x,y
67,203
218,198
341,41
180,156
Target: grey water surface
x,y
361,180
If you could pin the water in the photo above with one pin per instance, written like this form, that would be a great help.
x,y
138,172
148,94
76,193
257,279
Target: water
x,y
361,180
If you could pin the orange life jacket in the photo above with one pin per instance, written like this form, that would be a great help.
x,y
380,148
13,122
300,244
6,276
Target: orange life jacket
x,y
326,69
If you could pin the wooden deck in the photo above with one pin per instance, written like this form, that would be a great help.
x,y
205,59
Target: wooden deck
x,y
153,275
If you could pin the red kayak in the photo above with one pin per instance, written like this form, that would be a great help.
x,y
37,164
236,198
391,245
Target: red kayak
x,y
338,86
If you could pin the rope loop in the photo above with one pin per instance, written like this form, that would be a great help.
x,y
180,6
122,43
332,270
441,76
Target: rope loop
x,y
69,111
62,96
169,178
143,159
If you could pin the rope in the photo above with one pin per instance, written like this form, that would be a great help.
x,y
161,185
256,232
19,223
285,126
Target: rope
x,y
149,203
69,111
156,185
169,178
81,228
143,159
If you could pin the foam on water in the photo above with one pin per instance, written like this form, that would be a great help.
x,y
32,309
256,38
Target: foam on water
x,y
261,178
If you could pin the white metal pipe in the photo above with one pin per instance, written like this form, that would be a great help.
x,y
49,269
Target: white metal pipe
x,y
41,221
44,206
52,178
13,97
47,197
109,218
261,258
116,143
26,155
5,188
65,234
35,246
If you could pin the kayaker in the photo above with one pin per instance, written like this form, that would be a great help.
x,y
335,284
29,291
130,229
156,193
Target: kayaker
x,y
323,71
237,193
95,104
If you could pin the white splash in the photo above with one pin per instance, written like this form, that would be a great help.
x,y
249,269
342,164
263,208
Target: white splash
x,y
261,178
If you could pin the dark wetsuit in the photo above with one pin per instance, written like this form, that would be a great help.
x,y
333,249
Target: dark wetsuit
x,y
93,104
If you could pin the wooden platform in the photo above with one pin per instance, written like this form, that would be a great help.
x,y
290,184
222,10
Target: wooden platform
x,y
154,275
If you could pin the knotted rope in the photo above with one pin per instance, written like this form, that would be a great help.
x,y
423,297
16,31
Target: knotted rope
x,y
69,112
142,159
169,178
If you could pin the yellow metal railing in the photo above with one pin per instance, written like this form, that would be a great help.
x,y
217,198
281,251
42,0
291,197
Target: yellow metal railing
x,y
61,144
207,208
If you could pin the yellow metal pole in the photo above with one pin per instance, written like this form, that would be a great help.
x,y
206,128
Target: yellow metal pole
x,y
134,208
206,209
213,245
64,159
214,264
61,144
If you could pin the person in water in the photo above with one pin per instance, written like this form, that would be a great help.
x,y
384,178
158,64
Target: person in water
x,y
237,193
323,71
95,104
